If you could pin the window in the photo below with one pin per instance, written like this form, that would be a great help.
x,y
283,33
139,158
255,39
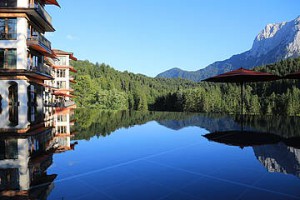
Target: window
x,y
8,58
62,61
9,179
35,62
8,28
61,129
13,103
9,3
9,149
61,118
61,84
61,73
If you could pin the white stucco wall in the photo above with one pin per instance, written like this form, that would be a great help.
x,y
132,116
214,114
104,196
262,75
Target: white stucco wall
x,y
23,3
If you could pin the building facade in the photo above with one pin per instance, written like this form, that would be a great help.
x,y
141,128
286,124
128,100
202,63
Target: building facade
x,y
32,77
23,48
63,78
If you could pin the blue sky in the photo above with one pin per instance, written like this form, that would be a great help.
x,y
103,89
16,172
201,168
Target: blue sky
x,y
151,36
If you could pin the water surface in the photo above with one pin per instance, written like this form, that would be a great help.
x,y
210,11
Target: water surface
x,y
134,155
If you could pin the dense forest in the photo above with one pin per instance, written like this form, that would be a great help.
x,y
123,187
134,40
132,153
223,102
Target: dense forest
x,y
100,86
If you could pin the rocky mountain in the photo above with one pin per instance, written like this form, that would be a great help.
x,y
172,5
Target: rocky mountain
x,y
274,43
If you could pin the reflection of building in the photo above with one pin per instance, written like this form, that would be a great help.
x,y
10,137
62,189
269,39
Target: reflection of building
x,y
63,124
24,161
26,154
279,158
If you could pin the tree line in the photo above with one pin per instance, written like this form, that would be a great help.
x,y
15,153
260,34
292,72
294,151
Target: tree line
x,y
100,86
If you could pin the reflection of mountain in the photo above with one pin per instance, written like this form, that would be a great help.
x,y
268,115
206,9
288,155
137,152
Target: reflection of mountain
x,y
279,158
210,122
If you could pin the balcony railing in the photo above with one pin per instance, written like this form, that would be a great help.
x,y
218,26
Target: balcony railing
x,y
42,41
69,103
8,36
41,68
40,9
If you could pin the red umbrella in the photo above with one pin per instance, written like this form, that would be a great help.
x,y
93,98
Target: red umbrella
x,y
295,75
242,76
52,2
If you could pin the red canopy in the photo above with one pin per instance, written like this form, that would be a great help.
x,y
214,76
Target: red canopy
x,y
295,75
243,75
52,2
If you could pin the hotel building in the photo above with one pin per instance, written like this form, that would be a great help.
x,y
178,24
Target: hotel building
x,y
23,48
63,78
32,76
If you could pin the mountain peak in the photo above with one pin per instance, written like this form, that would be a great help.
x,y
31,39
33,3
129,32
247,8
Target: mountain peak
x,y
275,42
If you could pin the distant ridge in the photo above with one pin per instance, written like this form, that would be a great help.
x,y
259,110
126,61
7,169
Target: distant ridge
x,y
274,43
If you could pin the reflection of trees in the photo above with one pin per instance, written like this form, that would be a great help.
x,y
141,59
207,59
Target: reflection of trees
x,y
210,122
283,126
90,123
280,125
101,123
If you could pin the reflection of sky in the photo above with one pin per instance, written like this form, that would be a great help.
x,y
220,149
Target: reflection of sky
x,y
153,162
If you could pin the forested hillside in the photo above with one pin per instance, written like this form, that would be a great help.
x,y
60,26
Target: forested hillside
x,y
103,87
99,85
277,97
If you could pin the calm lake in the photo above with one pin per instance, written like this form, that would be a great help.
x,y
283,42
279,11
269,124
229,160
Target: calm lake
x,y
153,155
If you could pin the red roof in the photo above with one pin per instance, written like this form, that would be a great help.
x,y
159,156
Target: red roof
x,y
60,52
